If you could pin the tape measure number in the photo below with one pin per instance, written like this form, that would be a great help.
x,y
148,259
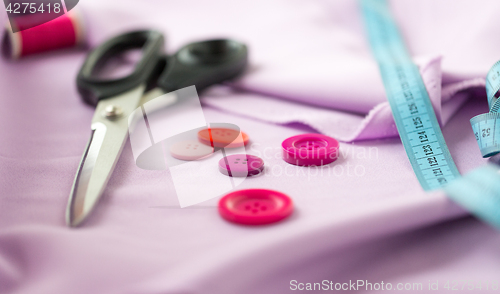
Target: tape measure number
x,y
411,107
486,126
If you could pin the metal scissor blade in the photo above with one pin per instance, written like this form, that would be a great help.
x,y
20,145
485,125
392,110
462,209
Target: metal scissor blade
x,y
109,134
152,94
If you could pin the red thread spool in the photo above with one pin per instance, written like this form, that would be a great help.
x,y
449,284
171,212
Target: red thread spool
x,y
63,32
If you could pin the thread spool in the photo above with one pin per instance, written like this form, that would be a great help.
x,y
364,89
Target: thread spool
x,y
65,31
3,20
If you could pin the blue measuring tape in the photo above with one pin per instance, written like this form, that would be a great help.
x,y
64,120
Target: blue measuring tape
x,y
411,107
478,191
486,126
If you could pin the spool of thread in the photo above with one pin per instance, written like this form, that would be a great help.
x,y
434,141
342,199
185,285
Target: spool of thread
x,y
3,19
65,31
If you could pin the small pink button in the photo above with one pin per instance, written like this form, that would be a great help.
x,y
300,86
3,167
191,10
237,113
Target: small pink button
x,y
255,206
241,165
190,150
310,149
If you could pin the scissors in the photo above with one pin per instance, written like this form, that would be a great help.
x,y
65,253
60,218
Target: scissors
x,y
201,64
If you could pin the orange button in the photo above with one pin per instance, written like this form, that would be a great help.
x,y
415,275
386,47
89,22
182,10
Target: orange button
x,y
222,138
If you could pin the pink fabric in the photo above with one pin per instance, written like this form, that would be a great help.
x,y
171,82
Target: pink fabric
x,y
378,123
306,62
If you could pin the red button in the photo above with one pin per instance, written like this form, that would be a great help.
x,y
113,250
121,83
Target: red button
x,y
222,138
255,206
310,149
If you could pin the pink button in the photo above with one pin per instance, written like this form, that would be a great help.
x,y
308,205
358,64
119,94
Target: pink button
x,y
255,206
190,150
310,149
241,165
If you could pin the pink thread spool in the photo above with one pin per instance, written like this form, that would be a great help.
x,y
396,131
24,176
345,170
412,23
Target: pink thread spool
x,y
65,31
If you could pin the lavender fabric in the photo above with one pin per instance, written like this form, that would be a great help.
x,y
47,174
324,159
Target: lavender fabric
x,y
307,59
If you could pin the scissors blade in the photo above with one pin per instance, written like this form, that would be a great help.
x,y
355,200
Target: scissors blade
x,y
109,134
152,94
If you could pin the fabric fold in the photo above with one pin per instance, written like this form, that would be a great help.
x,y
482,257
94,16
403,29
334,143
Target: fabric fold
x,y
378,123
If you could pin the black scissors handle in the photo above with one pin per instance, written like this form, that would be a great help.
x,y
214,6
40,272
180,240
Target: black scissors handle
x,y
203,64
93,89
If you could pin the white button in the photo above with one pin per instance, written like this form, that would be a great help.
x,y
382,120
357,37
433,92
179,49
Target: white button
x,y
190,150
